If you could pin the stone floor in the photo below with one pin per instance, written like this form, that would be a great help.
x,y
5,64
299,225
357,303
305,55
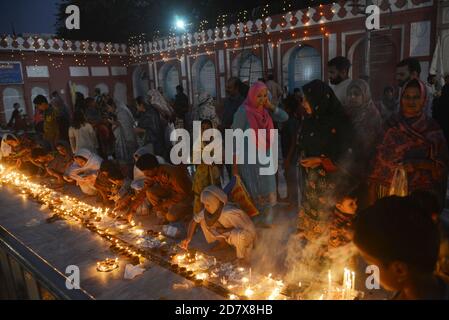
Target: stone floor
x,y
62,244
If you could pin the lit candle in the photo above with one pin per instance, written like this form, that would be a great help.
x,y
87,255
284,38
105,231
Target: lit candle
x,y
353,281
249,292
345,284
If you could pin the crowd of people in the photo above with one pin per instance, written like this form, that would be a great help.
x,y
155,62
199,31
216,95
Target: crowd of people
x,y
372,173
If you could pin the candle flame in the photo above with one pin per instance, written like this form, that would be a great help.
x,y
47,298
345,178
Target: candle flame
x,y
249,292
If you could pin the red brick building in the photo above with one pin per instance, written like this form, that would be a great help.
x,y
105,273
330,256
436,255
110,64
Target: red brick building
x,y
294,47
33,66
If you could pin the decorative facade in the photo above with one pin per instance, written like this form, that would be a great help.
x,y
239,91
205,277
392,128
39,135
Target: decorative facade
x,y
295,47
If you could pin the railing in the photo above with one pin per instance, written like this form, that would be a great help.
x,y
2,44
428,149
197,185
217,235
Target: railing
x,y
24,275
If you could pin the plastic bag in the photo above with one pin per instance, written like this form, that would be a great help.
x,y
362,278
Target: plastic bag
x,y
132,271
399,184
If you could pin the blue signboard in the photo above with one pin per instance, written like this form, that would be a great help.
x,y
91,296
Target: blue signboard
x,y
11,72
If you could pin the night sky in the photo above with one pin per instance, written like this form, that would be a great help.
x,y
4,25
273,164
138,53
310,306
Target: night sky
x,y
39,16
28,16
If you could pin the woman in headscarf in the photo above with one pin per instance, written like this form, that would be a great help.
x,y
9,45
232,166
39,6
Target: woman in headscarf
x,y
167,115
325,148
222,221
150,126
120,153
389,104
365,117
125,120
84,171
258,113
161,105
414,142
368,131
205,109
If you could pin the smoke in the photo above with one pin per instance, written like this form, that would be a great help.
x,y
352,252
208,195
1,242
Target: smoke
x,y
305,259
308,262
271,249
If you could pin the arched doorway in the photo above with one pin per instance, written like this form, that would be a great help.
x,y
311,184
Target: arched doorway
x,y
169,78
203,77
141,82
12,95
301,65
104,89
82,89
384,55
247,67
39,90
120,92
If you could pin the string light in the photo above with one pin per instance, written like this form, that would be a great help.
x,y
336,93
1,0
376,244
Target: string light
x,y
138,50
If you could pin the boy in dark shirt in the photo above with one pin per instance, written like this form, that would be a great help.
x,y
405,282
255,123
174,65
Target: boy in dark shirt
x,y
341,229
402,241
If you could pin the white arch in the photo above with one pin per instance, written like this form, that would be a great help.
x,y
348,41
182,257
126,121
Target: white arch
x,y
103,88
141,83
203,76
82,89
351,52
243,63
39,90
168,79
302,65
285,63
120,92
12,95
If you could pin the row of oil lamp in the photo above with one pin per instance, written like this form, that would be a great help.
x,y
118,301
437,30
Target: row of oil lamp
x,y
245,285
199,268
74,210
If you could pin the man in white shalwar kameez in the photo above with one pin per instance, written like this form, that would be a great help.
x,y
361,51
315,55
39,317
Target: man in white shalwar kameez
x,y
84,171
224,222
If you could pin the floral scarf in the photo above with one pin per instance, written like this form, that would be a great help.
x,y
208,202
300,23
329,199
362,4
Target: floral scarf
x,y
411,140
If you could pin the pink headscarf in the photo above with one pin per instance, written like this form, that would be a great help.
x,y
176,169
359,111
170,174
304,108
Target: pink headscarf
x,y
258,119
